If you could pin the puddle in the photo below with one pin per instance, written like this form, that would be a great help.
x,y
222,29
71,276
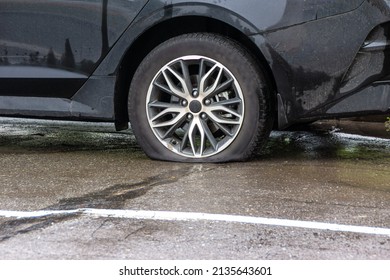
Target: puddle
x,y
326,145
63,136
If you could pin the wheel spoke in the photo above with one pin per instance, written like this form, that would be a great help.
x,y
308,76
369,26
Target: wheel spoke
x,y
173,109
228,102
202,70
206,91
164,88
186,80
221,88
225,130
192,136
209,135
171,122
162,105
225,110
170,73
218,119
173,128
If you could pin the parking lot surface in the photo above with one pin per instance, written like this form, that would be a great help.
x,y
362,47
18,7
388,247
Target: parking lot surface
x,y
311,194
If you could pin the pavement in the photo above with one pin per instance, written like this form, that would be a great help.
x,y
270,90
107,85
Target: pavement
x,y
82,191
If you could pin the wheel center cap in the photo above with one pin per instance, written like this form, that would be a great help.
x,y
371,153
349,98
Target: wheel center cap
x,y
195,106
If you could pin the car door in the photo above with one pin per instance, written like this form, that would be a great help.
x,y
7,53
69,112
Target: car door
x,y
49,48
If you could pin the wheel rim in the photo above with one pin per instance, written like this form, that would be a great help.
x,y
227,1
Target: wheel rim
x,y
195,106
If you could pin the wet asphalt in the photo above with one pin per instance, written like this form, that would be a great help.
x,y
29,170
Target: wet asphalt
x,y
315,173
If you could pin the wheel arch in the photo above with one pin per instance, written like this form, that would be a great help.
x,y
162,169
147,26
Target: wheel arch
x,y
170,28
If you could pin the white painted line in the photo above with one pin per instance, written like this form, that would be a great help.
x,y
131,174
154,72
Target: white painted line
x,y
189,216
37,214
